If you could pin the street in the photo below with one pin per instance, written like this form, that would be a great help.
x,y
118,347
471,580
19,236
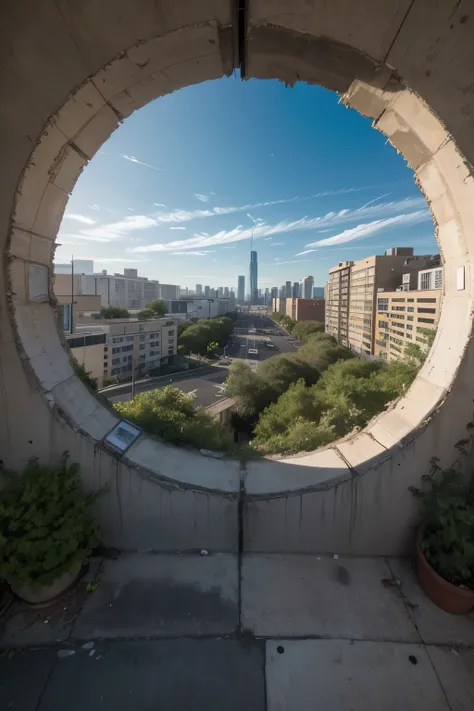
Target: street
x,y
208,389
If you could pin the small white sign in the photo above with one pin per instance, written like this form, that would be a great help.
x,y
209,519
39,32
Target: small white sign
x,y
38,282
460,279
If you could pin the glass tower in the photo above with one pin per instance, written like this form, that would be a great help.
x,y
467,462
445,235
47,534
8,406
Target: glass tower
x,y
253,277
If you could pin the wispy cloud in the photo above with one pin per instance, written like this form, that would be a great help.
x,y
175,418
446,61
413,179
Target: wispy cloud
x,y
202,197
115,230
132,159
292,261
306,251
131,209
370,228
192,254
276,244
239,233
79,218
177,228
159,204
94,206
125,260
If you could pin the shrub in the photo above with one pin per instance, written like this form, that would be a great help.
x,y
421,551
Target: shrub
x,y
172,415
44,527
447,504
114,312
84,375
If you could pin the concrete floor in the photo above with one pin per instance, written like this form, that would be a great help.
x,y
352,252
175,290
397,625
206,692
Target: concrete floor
x,y
291,633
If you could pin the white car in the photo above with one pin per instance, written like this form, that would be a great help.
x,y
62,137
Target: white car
x,y
252,353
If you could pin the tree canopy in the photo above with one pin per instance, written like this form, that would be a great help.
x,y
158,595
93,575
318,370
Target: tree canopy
x,y
146,314
158,307
172,415
302,330
202,336
114,312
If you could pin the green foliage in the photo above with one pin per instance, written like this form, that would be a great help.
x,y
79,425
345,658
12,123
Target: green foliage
x,y
146,314
348,394
198,336
109,380
415,354
158,307
44,526
283,320
302,330
172,415
447,504
182,327
84,375
114,312
212,347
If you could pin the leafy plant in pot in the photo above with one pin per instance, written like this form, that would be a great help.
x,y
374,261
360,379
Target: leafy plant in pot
x,y
46,533
445,542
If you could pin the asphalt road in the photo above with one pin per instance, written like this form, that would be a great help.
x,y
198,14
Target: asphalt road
x,y
208,389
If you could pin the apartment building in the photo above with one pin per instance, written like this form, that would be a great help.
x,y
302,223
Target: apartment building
x,y
337,302
400,315
127,346
300,309
352,289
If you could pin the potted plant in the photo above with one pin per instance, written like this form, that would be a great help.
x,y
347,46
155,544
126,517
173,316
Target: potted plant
x,y
445,541
46,533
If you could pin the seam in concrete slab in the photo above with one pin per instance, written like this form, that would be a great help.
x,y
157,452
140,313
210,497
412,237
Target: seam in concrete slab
x,y
398,31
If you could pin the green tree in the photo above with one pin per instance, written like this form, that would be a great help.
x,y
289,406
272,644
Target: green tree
x,y
246,386
212,348
114,312
172,415
146,314
417,353
302,330
158,307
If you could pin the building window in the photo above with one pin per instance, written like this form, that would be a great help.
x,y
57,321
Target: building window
x,y
438,278
425,281
142,346
401,301
426,311
382,304
410,308
426,301
142,338
115,371
409,327
426,320
410,318
115,361
412,300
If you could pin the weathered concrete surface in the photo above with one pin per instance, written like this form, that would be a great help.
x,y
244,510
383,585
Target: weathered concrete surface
x,y
301,595
434,625
60,102
170,675
23,677
341,674
153,595
198,669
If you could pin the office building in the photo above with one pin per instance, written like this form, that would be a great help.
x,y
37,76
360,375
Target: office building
x,y
288,290
198,289
241,288
207,291
189,308
430,278
253,273
306,287
81,266
352,290
274,292
296,290
226,292
127,290
318,292
124,346
220,292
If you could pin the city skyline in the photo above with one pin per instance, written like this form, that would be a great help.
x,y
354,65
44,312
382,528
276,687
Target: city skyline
x,y
308,181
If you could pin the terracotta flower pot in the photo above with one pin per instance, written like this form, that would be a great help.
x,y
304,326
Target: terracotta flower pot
x,y
450,598
45,594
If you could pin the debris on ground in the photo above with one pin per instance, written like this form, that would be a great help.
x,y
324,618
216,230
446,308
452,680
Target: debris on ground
x,y
63,653
391,582
204,552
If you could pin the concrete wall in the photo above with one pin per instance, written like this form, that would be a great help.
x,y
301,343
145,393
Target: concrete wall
x,y
71,72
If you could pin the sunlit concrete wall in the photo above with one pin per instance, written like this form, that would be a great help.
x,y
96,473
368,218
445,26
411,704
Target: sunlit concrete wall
x,y
71,72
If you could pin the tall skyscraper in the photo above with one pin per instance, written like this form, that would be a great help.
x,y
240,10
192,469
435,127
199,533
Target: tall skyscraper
x,y
198,289
226,292
207,290
288,289
296,289
241,288
253,277
318,292
306,291
220,292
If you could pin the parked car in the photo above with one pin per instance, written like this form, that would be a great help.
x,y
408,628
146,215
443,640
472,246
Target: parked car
x,y
252,353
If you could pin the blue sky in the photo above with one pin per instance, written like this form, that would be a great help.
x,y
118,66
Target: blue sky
x,y
177,190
